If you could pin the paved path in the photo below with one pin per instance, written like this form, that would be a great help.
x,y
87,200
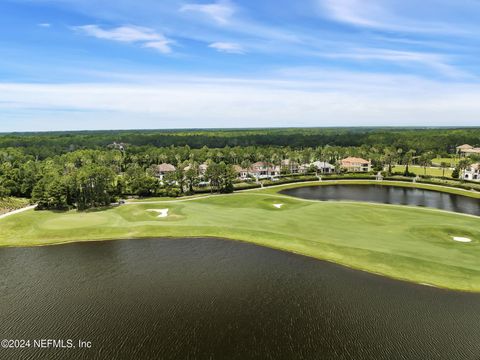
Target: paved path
x,y
18,211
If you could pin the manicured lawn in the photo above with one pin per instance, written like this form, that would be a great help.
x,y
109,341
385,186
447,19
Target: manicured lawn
x,y
406,243
418,170
452,162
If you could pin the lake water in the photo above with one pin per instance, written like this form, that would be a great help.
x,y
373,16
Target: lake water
x,y
389,195
217,299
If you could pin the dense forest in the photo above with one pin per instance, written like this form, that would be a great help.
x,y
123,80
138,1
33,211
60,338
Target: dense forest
x,y
61,170
441,141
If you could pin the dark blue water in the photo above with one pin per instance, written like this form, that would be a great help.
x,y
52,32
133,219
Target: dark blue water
x,y
215,299
389,195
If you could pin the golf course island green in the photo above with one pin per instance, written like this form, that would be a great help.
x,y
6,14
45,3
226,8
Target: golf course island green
x,y
420,245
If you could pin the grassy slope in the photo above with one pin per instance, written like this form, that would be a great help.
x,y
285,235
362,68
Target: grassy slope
x,y
401,242
450,161
8,204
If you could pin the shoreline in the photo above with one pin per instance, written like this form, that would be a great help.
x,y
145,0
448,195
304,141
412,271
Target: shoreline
x,y
322,248
296,253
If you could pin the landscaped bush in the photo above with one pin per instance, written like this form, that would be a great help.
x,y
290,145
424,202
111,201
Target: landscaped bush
x,y
349,176
8,204
245,186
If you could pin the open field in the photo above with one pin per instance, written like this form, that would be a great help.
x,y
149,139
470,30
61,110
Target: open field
x,y
414,244
418,170
452,162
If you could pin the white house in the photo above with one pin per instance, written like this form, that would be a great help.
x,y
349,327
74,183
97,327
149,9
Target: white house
x,y
241,172
354,164
323,167
163,169
467,150
202,169
472,173
290,166
264,170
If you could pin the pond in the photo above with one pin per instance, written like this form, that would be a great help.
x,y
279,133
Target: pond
x,y
218,299
389,195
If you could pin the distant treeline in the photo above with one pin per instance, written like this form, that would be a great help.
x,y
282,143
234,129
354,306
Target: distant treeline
x,y
45,145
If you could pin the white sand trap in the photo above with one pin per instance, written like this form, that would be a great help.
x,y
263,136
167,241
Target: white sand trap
x,y
278,206
162,212
462,239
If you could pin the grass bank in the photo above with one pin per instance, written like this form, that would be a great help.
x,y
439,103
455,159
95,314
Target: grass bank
x,y
413,244
419,170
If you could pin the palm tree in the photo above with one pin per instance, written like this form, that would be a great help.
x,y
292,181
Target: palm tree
x,y
443,165
426,160
407,159
389,156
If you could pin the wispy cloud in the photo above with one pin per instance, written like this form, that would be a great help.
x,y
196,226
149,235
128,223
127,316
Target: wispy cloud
x,y
356,12
302,98
433,61
221,12
228,47
393,15
130,34
45,25
162,46
122,33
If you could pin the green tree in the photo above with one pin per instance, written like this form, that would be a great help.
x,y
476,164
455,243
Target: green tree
x,y
139,182
407,160
94,186
50,193
191,177
456,173
426,160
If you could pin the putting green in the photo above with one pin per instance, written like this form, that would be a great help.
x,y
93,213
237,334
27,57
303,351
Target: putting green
x,y
414,244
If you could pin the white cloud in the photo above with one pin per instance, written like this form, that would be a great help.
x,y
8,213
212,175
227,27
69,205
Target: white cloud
x,y
45,25
406,16
356,12
437,62
161,46
295,98
227,47
130,34
221,12
122,33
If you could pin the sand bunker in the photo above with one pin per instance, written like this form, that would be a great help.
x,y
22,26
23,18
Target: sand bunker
x,y
278,206
462,239
162,212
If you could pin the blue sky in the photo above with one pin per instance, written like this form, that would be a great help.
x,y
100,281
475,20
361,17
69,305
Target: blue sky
x,y
122,64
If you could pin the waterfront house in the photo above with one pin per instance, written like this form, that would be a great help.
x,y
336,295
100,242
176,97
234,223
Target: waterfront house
x,y
289,166
354,164
241,172
264,170
323,167
472,173
467,150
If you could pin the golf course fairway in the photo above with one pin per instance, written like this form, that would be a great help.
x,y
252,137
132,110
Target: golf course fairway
x,y
402,242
